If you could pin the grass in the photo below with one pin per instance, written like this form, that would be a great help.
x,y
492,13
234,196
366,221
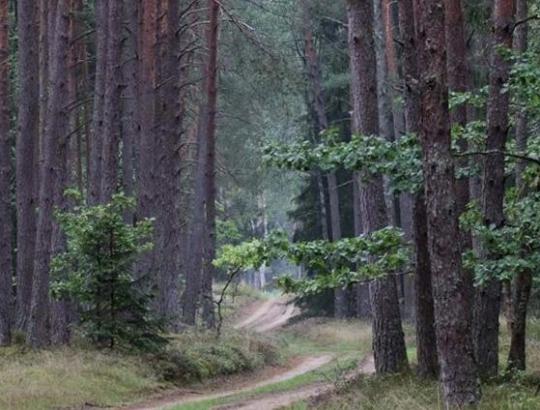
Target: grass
x,y
69,378
407,392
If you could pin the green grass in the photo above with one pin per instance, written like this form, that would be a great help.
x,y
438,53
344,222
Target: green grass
x,y
407,392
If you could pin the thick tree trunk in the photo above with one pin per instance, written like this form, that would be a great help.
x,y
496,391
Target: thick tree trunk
x,y
38,333
168,211
6,173
522,283
425,331
388,339
27,142
452,309
488,297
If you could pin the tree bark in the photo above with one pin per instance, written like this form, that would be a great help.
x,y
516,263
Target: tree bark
x,y
130,120
27,141
426,344
452,310
488,298
96,137
112,114
210,165
6,173
522,283
38,333
388,339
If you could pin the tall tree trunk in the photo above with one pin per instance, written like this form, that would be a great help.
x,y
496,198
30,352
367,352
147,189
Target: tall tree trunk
x,y
426,344
488,297
388,339
130,120
96,138
27,141
6,172
522,283
38,333
210,165
147,178
168,215
458,81
111,115
452,310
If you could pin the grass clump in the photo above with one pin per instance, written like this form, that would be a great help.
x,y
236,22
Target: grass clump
x,y
197,356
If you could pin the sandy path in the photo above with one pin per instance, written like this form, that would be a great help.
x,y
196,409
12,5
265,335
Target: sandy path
x,y
312,391
306,365
268,315
259,317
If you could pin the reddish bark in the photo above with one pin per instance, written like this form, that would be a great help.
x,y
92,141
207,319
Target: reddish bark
x,y
426,343
452,310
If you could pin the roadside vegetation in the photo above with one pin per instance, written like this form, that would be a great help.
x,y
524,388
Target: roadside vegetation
x,y
407,392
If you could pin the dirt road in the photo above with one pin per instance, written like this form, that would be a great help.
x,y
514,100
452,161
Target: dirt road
x,y
261,316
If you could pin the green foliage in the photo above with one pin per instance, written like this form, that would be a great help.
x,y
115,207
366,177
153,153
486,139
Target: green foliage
x,y
515,247
333,264
370,155
96,270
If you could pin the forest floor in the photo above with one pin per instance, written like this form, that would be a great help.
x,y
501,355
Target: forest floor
x,y
311,368
267,357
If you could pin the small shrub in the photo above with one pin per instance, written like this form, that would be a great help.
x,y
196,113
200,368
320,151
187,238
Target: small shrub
x,y
96,271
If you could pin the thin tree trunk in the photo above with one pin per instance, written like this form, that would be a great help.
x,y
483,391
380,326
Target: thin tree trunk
x,y
452,310
147,178
458,81
112,115
522,283
130,121
96,137
38,333
210,165
318,101
488,297
388,339
425,331
6,172
27,141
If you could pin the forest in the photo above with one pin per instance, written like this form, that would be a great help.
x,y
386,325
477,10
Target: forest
x,y
269,204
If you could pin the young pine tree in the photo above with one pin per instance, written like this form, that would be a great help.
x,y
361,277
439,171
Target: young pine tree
x,y
97,271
